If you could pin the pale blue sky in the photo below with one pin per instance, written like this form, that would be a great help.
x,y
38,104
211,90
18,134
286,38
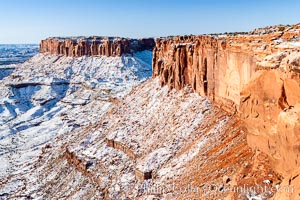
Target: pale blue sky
x,y
29,21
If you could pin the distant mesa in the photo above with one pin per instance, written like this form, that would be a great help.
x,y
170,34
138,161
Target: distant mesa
x,y
94,46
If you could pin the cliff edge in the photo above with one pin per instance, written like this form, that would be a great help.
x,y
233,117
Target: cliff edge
x,y
254,74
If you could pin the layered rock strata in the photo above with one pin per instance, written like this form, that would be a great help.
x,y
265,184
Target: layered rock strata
x,y
94,46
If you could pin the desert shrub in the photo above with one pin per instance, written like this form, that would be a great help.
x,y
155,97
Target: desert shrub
x,y
281,28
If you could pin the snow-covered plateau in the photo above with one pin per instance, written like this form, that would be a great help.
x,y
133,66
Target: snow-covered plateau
x,y
16,53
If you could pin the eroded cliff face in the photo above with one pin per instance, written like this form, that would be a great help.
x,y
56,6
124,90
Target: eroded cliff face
x,y
270,110
94,46
212,66
256,74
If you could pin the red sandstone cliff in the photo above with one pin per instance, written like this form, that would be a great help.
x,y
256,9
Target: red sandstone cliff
x,y
256,74
94,46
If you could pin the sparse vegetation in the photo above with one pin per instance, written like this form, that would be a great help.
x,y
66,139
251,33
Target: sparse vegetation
x,y
281,28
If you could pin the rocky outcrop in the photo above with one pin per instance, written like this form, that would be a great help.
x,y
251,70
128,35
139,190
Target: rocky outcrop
x,y
121,147
254,74
270,110
94,46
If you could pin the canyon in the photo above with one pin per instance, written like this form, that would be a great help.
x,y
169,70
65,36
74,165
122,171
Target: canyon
x,y
221,112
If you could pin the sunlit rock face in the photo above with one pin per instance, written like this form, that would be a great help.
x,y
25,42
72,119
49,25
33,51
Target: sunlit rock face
x,y
218,66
